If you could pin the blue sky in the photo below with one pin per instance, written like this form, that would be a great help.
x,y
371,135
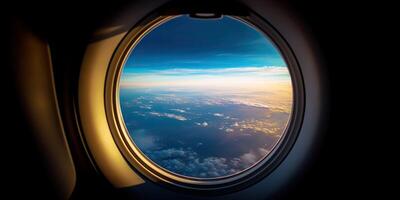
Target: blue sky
x,y
184,42
197,49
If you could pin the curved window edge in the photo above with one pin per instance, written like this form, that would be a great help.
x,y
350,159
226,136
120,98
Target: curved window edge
x,y
140,163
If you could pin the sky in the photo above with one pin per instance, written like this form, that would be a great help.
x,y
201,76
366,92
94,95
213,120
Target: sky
x,y
198,53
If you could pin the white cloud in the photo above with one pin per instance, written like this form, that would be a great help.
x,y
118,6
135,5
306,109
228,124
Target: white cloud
x,y
177,117
218,114
204,124
248,103
248,158
179,71
171,153
155,114
229,130
178,110
263,151
169,115
145,107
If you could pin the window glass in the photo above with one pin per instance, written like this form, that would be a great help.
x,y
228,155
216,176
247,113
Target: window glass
x,y
205,98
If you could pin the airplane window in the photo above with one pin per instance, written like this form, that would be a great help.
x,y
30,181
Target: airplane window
x,y
205,98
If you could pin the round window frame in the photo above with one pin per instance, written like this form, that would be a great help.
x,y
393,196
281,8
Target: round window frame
x,y
146,167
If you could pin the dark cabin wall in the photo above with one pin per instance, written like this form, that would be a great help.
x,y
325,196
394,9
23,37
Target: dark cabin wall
x,y
343,168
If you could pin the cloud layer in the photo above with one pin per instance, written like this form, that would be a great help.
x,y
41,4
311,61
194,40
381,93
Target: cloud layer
x,y
188,162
